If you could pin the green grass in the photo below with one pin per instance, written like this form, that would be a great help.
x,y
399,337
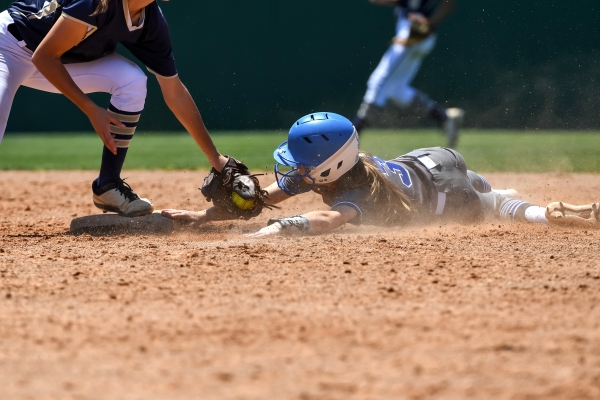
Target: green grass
x,y
485,151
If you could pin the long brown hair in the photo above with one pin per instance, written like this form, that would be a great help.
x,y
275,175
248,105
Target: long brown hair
x,y
394,206
102,7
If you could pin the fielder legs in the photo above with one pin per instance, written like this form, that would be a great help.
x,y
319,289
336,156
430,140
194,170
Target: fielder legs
x,y
126,83
391,81
15,67
113,74
395,72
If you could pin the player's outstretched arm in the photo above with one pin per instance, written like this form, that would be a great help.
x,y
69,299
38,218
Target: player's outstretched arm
x,y
180,101
314,222
275,194
188,217
325,221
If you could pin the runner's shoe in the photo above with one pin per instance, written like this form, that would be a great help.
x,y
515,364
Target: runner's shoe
x,y
586,216
452,125
119,197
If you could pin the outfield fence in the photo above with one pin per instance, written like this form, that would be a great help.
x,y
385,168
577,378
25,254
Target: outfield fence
x,y
260,65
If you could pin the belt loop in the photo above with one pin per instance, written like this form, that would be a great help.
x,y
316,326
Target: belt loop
x,y
441,203
427,162
441,199
14,31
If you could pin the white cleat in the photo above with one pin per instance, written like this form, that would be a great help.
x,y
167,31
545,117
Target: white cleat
x,y
119,197
510,193
452,125
586,216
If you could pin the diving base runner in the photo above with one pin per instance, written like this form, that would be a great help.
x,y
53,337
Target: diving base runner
x,y
427,185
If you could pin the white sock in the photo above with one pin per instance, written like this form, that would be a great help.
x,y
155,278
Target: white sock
x,y
536,215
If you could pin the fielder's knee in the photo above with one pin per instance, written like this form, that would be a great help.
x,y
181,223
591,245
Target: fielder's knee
x,y
3,123
127,103
131,93
403,96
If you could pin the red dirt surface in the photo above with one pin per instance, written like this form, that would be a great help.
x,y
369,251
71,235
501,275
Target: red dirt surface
x,y
497,310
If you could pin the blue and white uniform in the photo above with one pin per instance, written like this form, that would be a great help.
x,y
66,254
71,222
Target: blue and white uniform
x,y
93,64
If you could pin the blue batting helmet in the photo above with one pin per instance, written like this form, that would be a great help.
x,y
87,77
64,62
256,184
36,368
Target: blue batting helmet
x,y
324,144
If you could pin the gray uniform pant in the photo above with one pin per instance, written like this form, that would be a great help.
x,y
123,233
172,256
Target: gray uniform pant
x,y
462,195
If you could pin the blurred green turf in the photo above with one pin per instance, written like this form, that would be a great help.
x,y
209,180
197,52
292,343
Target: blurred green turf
x,y
485,151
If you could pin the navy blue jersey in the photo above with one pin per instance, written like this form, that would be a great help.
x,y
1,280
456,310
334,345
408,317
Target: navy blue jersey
x,y
425,7
150,42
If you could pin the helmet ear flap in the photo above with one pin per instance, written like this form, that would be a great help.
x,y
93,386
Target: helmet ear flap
x,y
339,163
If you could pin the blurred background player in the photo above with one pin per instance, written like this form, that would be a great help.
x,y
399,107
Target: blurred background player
x,y
69,47
424,186
417,21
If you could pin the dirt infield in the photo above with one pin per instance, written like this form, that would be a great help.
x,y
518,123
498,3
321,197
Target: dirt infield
x,y
497,310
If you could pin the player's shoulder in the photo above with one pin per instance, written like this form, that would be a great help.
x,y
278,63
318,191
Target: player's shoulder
x,y
83,10
154,11
155,21
83,5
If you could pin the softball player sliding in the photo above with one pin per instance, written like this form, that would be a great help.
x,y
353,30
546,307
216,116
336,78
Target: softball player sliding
x,y
414,40
68,47
425,185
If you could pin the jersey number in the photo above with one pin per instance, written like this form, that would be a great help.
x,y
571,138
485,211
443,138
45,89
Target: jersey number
x,y
395,169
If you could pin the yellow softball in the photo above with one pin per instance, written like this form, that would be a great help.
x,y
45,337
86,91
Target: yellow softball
x,y
242,203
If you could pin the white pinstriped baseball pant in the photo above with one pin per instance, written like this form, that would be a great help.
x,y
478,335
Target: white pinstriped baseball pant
x,y
395,72
114,74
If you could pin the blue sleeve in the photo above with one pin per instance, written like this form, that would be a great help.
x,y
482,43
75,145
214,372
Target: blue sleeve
x,y
292,186
355,198
82,10
154,48
359,215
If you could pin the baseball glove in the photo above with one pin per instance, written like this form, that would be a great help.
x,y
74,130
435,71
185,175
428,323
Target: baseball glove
x,y
419,31
235,191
